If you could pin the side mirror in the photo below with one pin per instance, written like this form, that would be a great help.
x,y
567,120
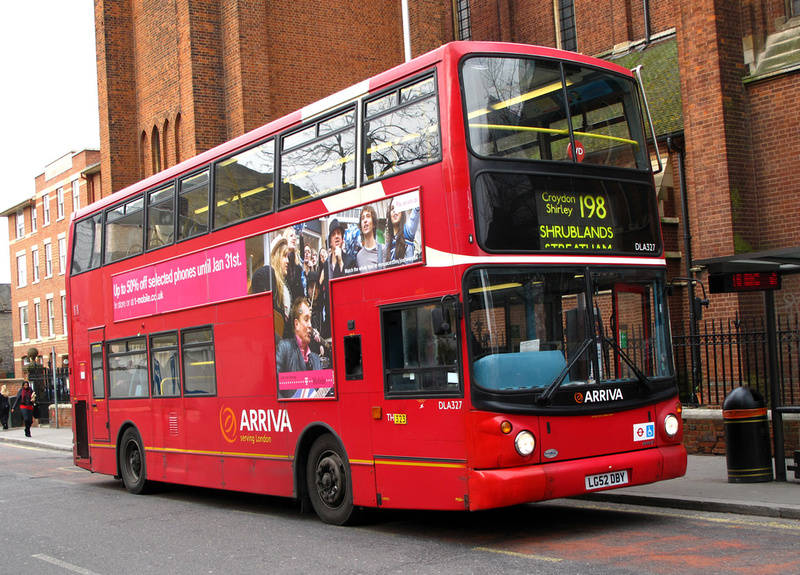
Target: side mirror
x,y
440,317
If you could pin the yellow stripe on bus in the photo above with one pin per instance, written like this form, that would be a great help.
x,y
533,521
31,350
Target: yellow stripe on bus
x,y
421,464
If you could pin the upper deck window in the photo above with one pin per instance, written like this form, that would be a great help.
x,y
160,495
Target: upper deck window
x,y
244,185
124,225
161,217
319,160
88,244
516,109
193,206
401,130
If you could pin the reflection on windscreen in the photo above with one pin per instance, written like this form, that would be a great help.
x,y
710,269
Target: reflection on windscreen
x,y
522,108
529,329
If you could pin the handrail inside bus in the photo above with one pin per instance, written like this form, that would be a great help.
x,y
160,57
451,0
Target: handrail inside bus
x,y
512,127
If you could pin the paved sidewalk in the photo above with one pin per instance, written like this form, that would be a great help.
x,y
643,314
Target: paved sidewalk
x,y
45,437
704,488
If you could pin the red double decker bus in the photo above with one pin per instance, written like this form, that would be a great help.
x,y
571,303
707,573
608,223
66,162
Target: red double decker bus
x,y
442,288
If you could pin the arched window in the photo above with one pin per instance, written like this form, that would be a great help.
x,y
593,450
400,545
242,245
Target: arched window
x,y
166,144
178,139
155,149
143,156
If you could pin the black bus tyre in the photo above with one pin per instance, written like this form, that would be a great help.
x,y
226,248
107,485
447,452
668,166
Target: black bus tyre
x,y
330,486
132,466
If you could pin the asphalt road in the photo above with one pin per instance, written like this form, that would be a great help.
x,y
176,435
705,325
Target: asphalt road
x,y
58,519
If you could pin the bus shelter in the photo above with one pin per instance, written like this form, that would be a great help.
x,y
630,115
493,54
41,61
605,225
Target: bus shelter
x,y
754,272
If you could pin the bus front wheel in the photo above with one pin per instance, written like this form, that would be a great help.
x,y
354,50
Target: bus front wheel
x,y
132,464
329,482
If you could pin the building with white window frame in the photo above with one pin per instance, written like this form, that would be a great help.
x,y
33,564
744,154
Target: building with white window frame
x,y
38,233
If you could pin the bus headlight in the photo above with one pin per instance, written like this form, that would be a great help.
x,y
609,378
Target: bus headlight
x,y
671,425
525,442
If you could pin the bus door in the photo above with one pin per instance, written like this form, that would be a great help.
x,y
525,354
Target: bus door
x,y
419,439
99,410
631,324
167,406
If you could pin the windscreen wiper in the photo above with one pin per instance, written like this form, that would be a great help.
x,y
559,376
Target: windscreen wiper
x,y
551,389
641,377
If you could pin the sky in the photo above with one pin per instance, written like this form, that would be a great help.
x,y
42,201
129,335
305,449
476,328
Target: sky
x,y
49,95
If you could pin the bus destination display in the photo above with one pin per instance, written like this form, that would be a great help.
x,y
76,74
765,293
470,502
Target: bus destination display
x,y
561,214
574,222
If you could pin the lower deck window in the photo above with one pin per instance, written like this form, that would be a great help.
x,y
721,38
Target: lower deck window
x,y
417,362
127,368
198,362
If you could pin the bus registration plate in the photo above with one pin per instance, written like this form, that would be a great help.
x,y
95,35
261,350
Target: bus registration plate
x,y
611,479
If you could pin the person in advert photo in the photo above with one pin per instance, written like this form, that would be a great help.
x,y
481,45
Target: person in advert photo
x,y
294,356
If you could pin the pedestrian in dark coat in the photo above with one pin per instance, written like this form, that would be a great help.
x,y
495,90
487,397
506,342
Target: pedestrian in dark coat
x,y
24,401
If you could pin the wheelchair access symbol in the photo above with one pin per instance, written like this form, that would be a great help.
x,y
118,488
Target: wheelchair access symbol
x,y
644,431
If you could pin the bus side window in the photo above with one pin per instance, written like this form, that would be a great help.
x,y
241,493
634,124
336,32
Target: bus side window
x,y
124,225
416,361
193,206
353,366
244,185
87,244
401,130
161,217
197,352
98,377
319,160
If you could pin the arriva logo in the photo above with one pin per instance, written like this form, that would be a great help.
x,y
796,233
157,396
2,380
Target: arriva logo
x,y
227,422
598,395
253,420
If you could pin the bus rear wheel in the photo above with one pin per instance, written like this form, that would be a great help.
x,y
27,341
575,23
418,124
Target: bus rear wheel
x,y
330,486
132,466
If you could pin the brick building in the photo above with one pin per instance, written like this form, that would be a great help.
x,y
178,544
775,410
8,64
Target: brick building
x,y
6,332
177,78
38,230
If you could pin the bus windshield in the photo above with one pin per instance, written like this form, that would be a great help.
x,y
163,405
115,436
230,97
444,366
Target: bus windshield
x,y
534,329
515,109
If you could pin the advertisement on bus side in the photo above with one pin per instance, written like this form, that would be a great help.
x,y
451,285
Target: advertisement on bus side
x,y
296,264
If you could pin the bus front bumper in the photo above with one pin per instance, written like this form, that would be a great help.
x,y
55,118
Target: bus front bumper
x,y
492,488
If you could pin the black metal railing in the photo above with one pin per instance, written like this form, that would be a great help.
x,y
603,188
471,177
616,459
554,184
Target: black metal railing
x,y
729,353
41,379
